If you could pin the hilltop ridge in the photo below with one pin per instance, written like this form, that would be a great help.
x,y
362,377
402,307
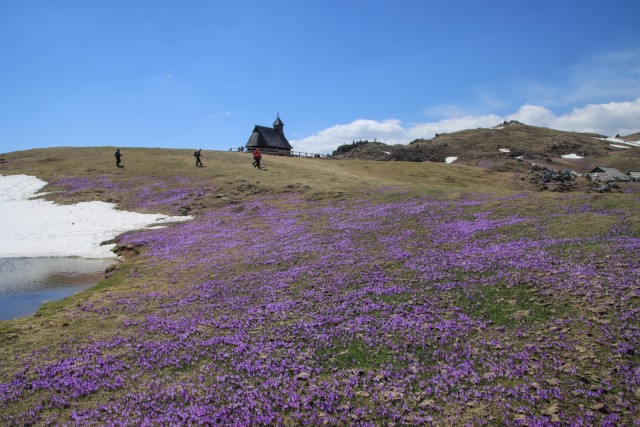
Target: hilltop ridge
x,y
511,146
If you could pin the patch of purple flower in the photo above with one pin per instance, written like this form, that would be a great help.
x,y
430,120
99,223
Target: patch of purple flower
x,y
361,313
135,192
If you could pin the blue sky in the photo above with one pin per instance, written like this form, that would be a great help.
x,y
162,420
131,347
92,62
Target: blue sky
x,y
202,73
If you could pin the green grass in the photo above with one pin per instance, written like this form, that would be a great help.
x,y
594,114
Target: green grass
x,y
8,331
355,354
503,305
581,225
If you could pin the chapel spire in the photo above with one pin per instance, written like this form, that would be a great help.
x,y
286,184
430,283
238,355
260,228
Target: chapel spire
x,y
278,125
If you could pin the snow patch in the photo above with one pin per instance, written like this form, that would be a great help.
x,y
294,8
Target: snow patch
x,y
620,141
572,156
39,228
632,143
505,150
619,146
450,159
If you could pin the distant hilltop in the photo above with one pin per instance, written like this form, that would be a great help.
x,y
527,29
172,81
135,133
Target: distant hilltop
x,y
508,147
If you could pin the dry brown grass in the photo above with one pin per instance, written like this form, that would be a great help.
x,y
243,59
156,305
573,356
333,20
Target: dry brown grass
x,y
232,173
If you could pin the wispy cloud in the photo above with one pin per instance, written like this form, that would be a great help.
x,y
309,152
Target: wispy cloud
x,y
428,130
220,115
482,103
611,75
606,119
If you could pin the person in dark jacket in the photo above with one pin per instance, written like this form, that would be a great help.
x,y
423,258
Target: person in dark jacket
x,y
118,156
198,154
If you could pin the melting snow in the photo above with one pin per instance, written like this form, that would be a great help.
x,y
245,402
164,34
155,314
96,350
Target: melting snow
x,y
505,150
572,156
39,228
450,159
633,143
619,146
620,141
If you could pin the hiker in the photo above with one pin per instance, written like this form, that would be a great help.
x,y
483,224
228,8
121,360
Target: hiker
x,y
118,158
197,154
256,158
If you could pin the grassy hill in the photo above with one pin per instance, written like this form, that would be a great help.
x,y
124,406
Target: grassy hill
x,y
339,292
231,174
632,137
512,146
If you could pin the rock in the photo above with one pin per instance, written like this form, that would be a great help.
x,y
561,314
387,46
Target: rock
x,y
520,314
184,210
552,410
606,187
393,395
302,376
551,179
427,403
599,407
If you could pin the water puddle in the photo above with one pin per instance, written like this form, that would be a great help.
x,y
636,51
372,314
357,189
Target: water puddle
x,y
27,283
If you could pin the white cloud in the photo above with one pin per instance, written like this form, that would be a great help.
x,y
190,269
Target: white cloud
x,y
429,130
533,115
329,139
220,115
606,119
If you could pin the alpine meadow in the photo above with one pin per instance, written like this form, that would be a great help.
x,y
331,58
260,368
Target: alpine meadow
x,y
334,292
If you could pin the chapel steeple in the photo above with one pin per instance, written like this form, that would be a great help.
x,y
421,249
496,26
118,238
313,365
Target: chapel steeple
x,y
278,125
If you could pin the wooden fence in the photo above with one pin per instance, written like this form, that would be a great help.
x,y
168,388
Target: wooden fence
x,y
276,152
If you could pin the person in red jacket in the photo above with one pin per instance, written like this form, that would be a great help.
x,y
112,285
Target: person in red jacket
x,y
256,158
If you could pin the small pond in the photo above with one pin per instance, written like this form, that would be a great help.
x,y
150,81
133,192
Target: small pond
x,y
27,283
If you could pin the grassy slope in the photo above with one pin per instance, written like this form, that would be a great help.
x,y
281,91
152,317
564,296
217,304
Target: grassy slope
x,y
579,317
230,168
481,147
